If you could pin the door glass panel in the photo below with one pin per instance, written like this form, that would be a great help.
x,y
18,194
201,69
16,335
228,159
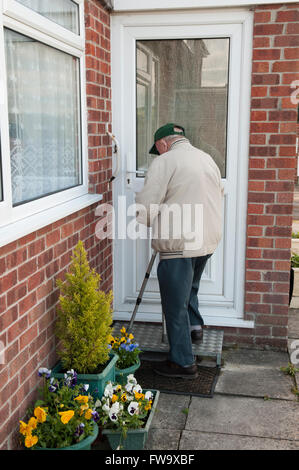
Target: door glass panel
x,y
187,83
62,12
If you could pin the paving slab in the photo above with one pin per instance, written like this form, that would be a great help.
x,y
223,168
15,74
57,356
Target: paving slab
x,y
169,412
255,373
294,302
245,416
293,330
194,440
158,439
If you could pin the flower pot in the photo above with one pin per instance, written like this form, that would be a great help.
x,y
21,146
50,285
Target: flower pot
x,y
85,444
96,382
136,438
122,374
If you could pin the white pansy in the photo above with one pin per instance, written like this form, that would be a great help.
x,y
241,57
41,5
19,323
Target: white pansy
x,y
131,378
106,408
113,416
137,389
132,408
129,387
148,395
86,387
97,403
108,392
115,407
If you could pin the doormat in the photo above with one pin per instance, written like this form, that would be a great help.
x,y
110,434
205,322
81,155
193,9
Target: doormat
x,y
203,386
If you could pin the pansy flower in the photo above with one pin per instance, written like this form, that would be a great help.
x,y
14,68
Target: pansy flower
x,y
132,408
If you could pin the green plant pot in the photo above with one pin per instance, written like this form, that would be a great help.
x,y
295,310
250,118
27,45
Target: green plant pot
x,y
85,444
122,374
96,382
136,438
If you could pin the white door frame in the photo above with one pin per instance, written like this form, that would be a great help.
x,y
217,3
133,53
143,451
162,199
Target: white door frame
x,y
237,24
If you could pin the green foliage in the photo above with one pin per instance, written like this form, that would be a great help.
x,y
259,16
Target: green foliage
x,y
290,369
295,234
84,317
295,260
126,349
63,416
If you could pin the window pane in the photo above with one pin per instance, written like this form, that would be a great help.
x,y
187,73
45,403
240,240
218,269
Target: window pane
x,y
63,12
188,83
44,129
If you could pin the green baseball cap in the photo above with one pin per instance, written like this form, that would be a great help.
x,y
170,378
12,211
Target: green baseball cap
x,y
164,131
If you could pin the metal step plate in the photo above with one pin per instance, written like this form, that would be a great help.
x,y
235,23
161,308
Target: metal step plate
x,y
149,338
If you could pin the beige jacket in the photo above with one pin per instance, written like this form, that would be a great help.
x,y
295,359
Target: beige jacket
x,y
182,201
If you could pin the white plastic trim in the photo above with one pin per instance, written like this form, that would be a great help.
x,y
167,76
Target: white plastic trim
x,y
23,227
142,5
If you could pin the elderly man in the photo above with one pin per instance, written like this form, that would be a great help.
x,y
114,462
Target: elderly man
x,y
187,181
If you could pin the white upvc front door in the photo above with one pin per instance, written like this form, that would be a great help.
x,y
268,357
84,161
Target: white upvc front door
x,y
192,68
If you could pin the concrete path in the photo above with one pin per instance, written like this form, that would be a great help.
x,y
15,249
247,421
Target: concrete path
x,y
253,406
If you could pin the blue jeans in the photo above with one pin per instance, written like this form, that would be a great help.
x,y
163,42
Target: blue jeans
x,y
179,280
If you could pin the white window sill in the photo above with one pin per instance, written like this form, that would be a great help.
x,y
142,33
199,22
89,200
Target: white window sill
x,y
21,228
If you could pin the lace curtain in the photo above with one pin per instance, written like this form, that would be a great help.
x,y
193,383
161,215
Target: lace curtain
x,y
43,106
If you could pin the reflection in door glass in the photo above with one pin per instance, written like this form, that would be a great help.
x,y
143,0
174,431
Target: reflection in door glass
x,y
186,82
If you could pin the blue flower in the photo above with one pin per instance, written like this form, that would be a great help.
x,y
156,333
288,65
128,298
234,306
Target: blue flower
x,y
44,372
79,429
95,416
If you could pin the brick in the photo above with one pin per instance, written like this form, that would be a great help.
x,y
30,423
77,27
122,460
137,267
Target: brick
x,y
27,303
286,41
260,67
287,16
262,16
267,29
261,41
285,66
16,293
263,151
8,317
292,28
16,258
280,139
291,53
288,152
264,126
8,281
27,337
261,242
259,139
282,115
262,174
27,269
17,329
266,54
281,162
53,238
276,254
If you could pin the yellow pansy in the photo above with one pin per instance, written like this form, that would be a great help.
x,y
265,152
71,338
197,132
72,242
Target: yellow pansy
x,y
148,406
123,339
123,397
131,336
83,408
118,387
88,414
111,339
123,330
62,405
23,428
138,395
32,423
30,440
114,398
40,414
66,416
82,399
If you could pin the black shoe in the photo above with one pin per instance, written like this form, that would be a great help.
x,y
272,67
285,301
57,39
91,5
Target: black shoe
x,y
196,336
171,369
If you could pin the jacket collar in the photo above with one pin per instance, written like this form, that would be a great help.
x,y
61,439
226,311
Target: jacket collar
x,y
181,141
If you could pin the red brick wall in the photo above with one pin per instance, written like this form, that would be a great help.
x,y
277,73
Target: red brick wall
x,y
272,166
29,267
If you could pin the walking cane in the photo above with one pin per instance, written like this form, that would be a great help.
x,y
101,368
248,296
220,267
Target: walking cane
x,y
139,299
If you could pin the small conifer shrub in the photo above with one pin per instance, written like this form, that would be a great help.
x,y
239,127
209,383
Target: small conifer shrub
x,y
84,317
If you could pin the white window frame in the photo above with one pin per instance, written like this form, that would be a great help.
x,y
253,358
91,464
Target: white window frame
x,y
23,219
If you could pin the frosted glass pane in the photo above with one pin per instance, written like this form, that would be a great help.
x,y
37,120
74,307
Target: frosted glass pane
x,y
63,12
188,83
44,117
